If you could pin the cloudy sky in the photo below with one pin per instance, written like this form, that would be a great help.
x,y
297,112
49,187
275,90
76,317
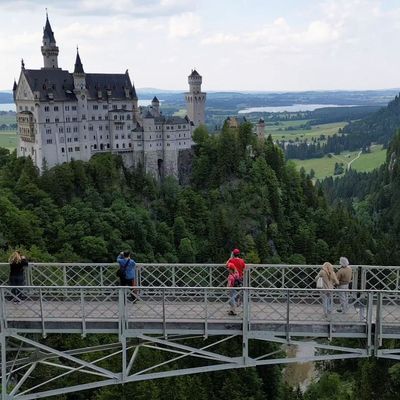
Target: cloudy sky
x,y
235,44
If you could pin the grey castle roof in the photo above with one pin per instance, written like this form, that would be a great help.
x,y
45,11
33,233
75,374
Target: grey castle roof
x,y
78,65
194,73
48,33
61,84
155,100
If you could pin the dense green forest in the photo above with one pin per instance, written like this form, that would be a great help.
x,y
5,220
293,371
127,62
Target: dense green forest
x,y
242,193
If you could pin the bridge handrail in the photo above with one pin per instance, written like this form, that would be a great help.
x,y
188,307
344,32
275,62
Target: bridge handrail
x,y
197,274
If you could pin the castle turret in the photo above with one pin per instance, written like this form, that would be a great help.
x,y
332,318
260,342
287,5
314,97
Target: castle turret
x,y
260,128
79,73
195,99
155,105
49,48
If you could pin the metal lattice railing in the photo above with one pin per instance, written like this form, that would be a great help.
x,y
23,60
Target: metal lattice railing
x,y
198,275
49,305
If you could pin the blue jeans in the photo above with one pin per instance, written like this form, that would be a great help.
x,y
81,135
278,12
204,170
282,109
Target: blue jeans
x,y
327,303
233,300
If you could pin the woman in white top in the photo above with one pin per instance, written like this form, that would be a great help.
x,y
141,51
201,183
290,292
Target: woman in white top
x,y
329,280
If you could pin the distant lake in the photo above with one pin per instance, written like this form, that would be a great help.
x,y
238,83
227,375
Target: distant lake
x,y
7,107
11,106
292,108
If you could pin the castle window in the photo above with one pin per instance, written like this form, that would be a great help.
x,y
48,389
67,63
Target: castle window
x,y
167,144
179,127
150,145
121,117
139,136
49,141
94,137
128,127
93,118
90,128
77,148
122,136
62,140
129,136
101,136
67,119
116,136
167,127
66,108
124,106
114,107
48,131
100,127
75,139
168,136
83,116
57,120
46,108
85,147
48,120
95,146
68,129
179,135
69,140
108,145
105,107
115,117
62,150
106,117
128,117
55,108
73,108
106,127
74,119
117,146
60,129
70,149
100,117
130,144
95,107
123,145
75,129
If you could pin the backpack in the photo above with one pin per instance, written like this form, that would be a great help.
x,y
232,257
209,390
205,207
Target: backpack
x,y
238,282
121,271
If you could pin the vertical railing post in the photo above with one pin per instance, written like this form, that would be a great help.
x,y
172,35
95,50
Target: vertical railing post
x,y
206,313
283,277
370,306
210,276
288,316
83,313
102,275
3,349
164,317
65,275
29,274
363,278
3,321
42,312
378,323
121,312
245,338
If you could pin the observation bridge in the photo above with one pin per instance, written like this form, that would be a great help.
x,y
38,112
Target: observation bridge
x,y
183,310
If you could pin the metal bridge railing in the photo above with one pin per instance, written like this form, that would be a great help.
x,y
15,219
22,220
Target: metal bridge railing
x,y
196,275
45,306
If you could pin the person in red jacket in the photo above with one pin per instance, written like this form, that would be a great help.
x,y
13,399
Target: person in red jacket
x,y
238,262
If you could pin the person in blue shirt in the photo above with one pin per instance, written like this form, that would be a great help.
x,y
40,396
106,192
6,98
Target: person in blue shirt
x,y
127,274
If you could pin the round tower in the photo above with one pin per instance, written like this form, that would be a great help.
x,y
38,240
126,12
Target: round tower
x,y
260,128
195,99
49,48
155,105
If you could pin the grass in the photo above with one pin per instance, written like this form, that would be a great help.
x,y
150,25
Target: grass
x,y
324,167
8,139
315,132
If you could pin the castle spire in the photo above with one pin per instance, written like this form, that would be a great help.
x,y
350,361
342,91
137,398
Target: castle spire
x,y
78,64
49,47
47,31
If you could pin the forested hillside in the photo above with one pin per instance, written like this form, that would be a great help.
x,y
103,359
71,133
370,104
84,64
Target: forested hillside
x,y
242,194
378,127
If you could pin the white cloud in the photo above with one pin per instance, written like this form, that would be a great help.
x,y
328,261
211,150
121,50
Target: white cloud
x,y
184,25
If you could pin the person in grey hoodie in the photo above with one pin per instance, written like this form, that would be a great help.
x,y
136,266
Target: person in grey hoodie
x,y
344,276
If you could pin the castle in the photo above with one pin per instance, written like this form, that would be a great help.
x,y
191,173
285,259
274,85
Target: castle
x,y
63,116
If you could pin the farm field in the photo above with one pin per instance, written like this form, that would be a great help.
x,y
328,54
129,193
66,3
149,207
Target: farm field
x,y
315,132
324,166
8,139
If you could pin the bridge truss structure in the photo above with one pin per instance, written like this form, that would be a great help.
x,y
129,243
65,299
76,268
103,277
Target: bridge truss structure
x,y
181,311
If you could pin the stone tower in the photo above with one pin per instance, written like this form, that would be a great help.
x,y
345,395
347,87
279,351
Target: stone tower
x,y
195,99
155,105
49,48
260,128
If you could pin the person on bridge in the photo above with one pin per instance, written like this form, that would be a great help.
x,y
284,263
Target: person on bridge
x,y
127,272
329,279
344,275
238,262
234,282
17,263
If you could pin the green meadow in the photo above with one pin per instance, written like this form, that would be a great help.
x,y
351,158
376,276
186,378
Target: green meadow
x,y
324,166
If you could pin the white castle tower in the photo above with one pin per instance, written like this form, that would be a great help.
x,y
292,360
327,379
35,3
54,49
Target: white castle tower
x,y
49,48
195,99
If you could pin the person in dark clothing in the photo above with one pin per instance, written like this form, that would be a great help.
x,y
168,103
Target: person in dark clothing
x,y
17,263
127,274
